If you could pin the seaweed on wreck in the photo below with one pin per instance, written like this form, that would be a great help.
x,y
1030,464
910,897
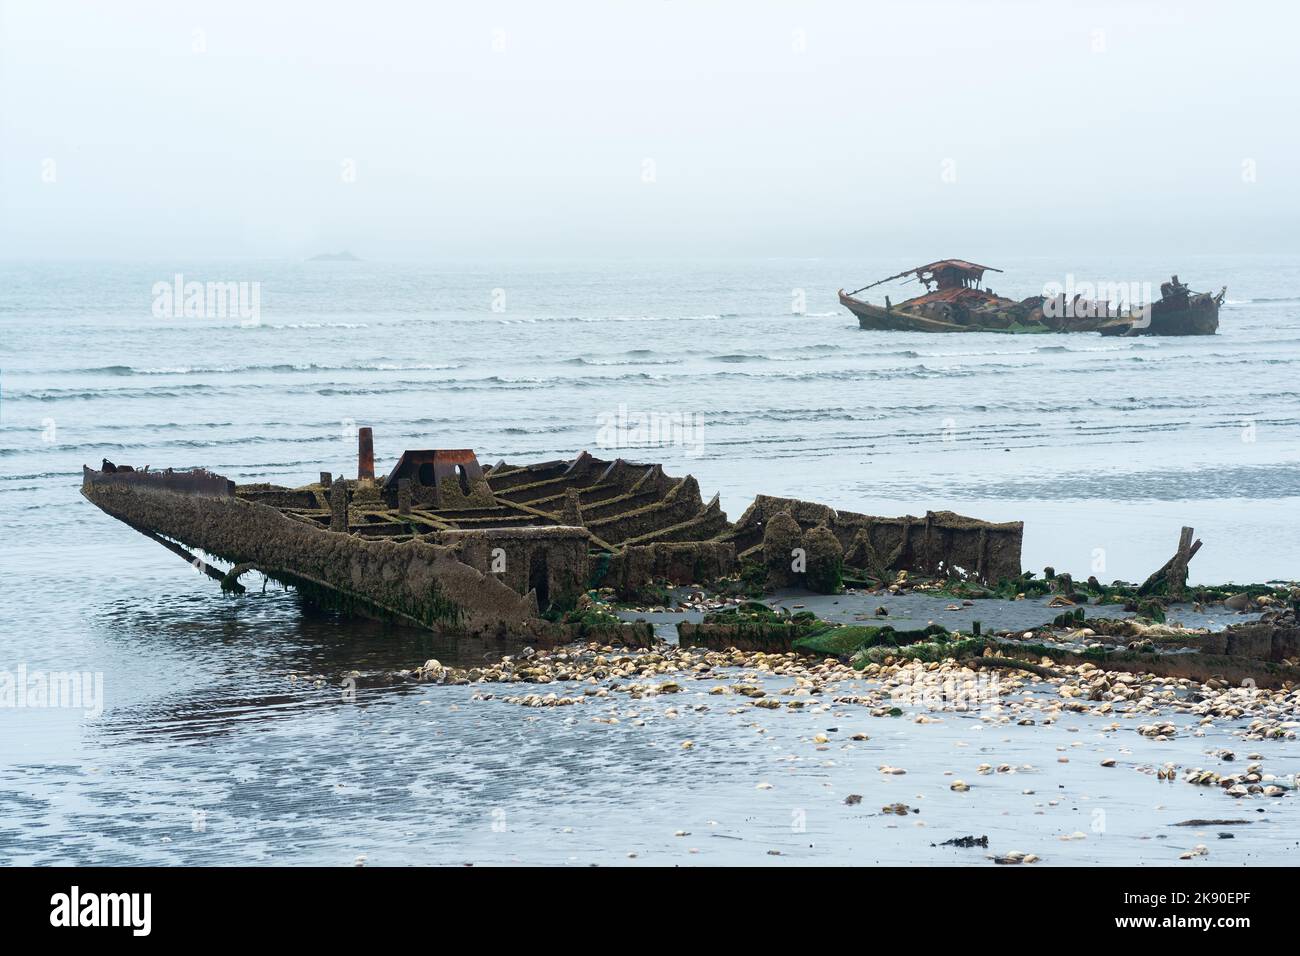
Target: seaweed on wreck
x,y
859,578
747,581
1151,609
928,652
758,614
1094,654
1216,594
843,641
1118,592
752,624
587,607
593,615
752,576
1011,588
599,571
965,842
749,611
846,640
824,571
435,612
966,590
657,593
370,546
1073,618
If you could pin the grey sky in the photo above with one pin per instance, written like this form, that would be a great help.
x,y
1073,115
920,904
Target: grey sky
x,y
774,128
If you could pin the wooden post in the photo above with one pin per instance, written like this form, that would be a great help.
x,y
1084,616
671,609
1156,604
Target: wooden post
x,y
339,506
1173,573
572,513
1178,566
403,496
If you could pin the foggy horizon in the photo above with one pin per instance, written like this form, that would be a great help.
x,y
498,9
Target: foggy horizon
x,y
148,132
765,435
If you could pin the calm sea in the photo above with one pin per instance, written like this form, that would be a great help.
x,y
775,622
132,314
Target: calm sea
x,y
1103,447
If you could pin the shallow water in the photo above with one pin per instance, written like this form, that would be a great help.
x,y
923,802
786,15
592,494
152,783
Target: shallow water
x,y
425,775
1103,447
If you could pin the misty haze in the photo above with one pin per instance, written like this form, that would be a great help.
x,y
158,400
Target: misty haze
x,y
652,434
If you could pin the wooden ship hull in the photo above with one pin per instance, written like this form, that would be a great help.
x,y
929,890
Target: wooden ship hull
x,y
505,551
954,302
898,319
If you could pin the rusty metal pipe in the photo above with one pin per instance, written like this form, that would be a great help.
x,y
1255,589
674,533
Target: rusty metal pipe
x,y
365,454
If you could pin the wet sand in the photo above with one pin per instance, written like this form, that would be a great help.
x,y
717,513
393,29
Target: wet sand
x,y
230,760
428,775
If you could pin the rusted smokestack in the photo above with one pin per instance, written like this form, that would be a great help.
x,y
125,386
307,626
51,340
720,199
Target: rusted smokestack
x,y
365,455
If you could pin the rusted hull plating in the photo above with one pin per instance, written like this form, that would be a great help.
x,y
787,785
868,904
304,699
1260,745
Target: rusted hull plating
x,y
1184,315
1177,312
448,545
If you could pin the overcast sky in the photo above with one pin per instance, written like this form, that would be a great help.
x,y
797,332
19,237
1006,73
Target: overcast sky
x,y
403,130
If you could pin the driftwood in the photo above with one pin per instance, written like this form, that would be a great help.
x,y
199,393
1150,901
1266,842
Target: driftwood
x,y
1173,573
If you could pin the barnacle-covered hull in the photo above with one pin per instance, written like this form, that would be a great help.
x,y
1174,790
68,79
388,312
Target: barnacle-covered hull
x,y
509,550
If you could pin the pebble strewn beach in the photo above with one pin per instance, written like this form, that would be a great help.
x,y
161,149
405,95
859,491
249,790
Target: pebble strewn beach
x,y
1223,754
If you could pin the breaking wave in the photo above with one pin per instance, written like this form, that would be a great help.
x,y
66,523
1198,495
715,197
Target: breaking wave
x,y
130,370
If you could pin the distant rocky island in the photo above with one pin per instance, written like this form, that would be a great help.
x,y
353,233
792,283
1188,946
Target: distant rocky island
x,y
344,256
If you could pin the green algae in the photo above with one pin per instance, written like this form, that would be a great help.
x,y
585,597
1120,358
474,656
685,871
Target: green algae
x,y
755,615
846,640
925,651
599,570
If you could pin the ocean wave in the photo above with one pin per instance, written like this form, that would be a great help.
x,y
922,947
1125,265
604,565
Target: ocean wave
x,y
806,353
313,325
581,360
99,447
89,394
541,429
742,367
130,370
39,476
597,319
1244,482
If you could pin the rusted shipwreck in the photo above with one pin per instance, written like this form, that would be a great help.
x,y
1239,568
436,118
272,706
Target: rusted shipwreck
x,y
1178,311
954,301
506,551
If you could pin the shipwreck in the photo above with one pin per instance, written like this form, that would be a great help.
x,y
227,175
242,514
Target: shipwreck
x,y
954,301
510,551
